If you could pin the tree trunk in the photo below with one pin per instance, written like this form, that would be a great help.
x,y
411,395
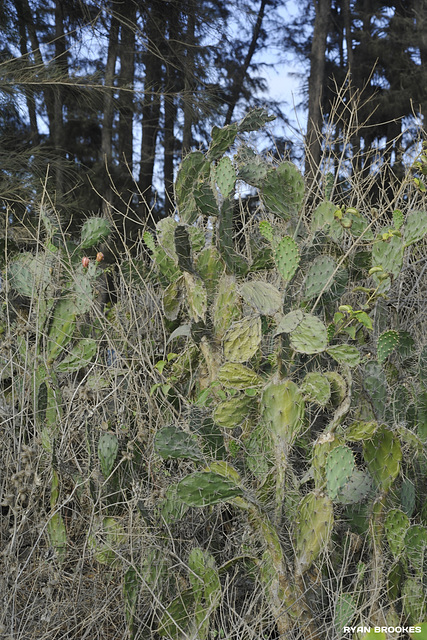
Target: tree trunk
x,y
126,80
29,96
239,79
155,30
108,116
315,87
187,99
61,65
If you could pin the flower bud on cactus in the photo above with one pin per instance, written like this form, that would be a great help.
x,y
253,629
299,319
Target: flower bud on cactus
x,y
99,256
85,262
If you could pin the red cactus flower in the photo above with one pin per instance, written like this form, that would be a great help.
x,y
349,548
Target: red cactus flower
x,y
85,262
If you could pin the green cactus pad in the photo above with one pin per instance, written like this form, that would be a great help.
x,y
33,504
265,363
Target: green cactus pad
x,y
205,200
172,442
358,488
345,354
94,231
394,581
316,388
388,254
226,305
204,578
169,508
360,431
172,300
319,277
79,356
338,387
165,229
197,297
383,456
308,334
210,266
415,545
345,611
262,296
30,275
191,167
387,343
287,257
230,413
108,447
225,176
254,120
396,524
57,533
283,190
375,384
324,218
201,489
61,327
321,449
183,250
415,227
266,230
414,601
282,408
177,617
408,496
289,322
242,339
251,167
221,140
313,529
233,375
338,469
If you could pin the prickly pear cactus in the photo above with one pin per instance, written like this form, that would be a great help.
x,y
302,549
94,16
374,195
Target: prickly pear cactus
x,y
287,257
108,447
313,529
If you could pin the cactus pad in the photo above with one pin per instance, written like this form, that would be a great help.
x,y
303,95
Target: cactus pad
x,y
283,410
319,277
225,176
221,140
407,496
415,545
339,468
283,190
196,296
201,489
230,413
308,334
415,227
287,257
251,168
396,524
226,305
108,447
345,354
316,387
387,343
94,231
242,339
172,299
383,456
324,218
414,603
358,488
313,529
254,120
233,375
265,298
191,168
172,442
360,431
388,254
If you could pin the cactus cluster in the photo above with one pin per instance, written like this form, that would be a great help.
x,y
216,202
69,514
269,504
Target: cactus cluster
x,y
283,362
